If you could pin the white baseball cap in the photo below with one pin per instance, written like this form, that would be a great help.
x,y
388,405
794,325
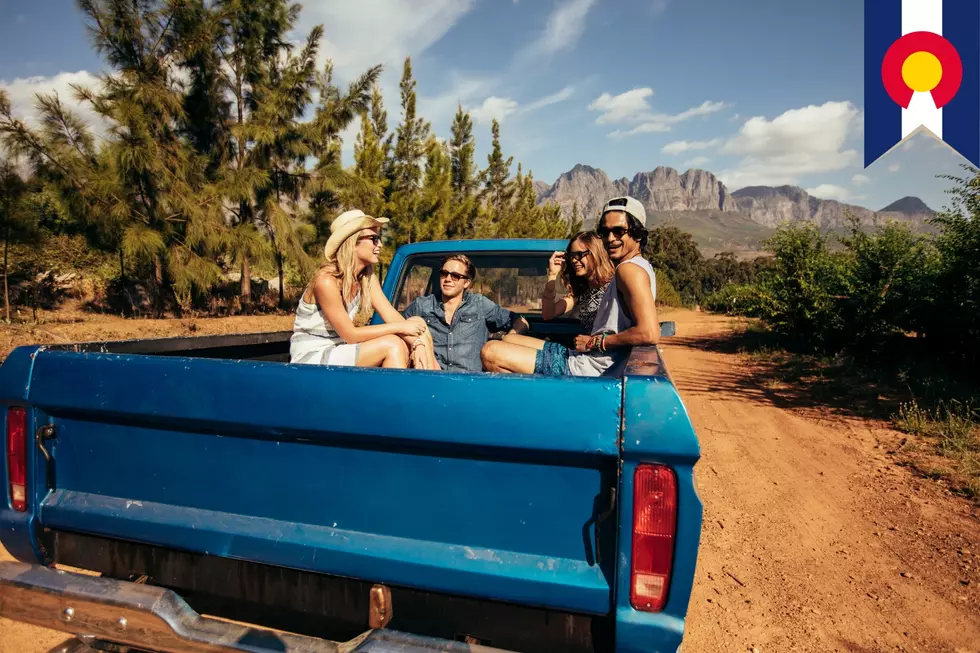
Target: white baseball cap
x,y
626,204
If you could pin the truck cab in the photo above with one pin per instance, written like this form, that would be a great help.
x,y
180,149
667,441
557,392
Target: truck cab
x,y
222,499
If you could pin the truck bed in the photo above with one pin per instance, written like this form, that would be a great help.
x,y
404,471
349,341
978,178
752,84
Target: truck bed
x,y
272,493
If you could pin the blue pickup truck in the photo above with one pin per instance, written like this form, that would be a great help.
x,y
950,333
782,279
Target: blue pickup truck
x,y
203,494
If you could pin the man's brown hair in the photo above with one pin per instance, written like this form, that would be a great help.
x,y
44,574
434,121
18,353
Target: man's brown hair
x,y
465,260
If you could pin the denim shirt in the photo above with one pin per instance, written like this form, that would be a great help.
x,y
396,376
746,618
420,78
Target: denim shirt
x,y
458,344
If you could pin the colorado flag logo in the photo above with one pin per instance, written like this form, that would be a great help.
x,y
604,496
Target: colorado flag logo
x,y
921,70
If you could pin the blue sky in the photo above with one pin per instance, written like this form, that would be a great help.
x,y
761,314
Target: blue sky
x,y
756,91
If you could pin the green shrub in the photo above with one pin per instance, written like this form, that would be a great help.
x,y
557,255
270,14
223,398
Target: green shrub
x,y
735,299
667,295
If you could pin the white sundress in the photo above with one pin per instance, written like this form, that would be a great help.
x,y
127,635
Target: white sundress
x,y
314,340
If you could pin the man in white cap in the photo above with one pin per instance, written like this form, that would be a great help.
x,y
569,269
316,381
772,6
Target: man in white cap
x,y
627,314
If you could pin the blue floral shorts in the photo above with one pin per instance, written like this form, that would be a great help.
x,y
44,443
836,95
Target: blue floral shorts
x,y
552,360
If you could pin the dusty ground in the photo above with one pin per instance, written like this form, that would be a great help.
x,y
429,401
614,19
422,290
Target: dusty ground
x,y
815,537
76,326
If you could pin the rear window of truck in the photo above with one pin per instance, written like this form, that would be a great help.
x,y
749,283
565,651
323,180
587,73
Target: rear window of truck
x,y
514,281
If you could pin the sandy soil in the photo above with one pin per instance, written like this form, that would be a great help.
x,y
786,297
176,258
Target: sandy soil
x,y
815,537
76,326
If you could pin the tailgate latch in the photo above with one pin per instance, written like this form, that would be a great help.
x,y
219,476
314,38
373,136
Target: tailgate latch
x,y
44,433
602,518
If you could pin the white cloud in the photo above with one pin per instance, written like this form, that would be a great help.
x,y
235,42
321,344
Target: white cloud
x,y
493,108
645,128
548,100
859,179
907,145
358,35
831,192
705,108
564,28
696,162
661,122
463,90
22,92
679,147
799,142
894,167
501,107
659,7
631,107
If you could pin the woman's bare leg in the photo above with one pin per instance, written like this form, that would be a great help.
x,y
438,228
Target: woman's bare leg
x,y
500,356
525,341
386,351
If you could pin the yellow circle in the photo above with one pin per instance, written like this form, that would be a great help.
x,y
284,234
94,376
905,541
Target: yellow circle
x,y
922,71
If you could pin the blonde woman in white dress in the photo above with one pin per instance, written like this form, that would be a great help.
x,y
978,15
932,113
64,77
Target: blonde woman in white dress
x,y
331,325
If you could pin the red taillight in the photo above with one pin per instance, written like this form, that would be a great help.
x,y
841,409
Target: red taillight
x,y
17,457
654,526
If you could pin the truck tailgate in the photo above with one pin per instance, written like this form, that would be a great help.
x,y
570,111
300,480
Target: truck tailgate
x,y
479,485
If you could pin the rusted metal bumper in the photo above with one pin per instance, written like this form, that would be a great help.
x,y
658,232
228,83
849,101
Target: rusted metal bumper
x,y
151,618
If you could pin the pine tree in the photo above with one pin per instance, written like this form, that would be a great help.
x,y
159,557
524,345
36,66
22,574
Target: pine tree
x,y
152,185
370,158
406,173
207,110
435,205
462,148
576,223
525,220
331,186
14,219
379,124
553,224
282,146
464,178
497,191
78,181
252,46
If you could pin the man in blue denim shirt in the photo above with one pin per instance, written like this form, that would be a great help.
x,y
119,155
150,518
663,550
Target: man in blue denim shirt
x,y
459,321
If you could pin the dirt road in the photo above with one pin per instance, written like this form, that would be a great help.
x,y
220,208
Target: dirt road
x,y
814,537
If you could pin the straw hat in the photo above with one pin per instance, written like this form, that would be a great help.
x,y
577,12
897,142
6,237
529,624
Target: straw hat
x,y
346,225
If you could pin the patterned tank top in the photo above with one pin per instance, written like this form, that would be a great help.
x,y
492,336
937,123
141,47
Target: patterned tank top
x,y
588,305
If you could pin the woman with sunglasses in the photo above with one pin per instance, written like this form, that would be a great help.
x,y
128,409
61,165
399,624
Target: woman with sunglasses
x,y
585,270
331,325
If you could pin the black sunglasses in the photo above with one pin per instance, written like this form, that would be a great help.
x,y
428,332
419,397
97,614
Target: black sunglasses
x,y
374,239
578,256
455,275
619,232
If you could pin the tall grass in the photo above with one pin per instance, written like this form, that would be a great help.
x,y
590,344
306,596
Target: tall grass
x,y
952,430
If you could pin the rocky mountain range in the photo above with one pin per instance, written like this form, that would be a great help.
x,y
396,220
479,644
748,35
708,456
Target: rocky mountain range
x,y
696,197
